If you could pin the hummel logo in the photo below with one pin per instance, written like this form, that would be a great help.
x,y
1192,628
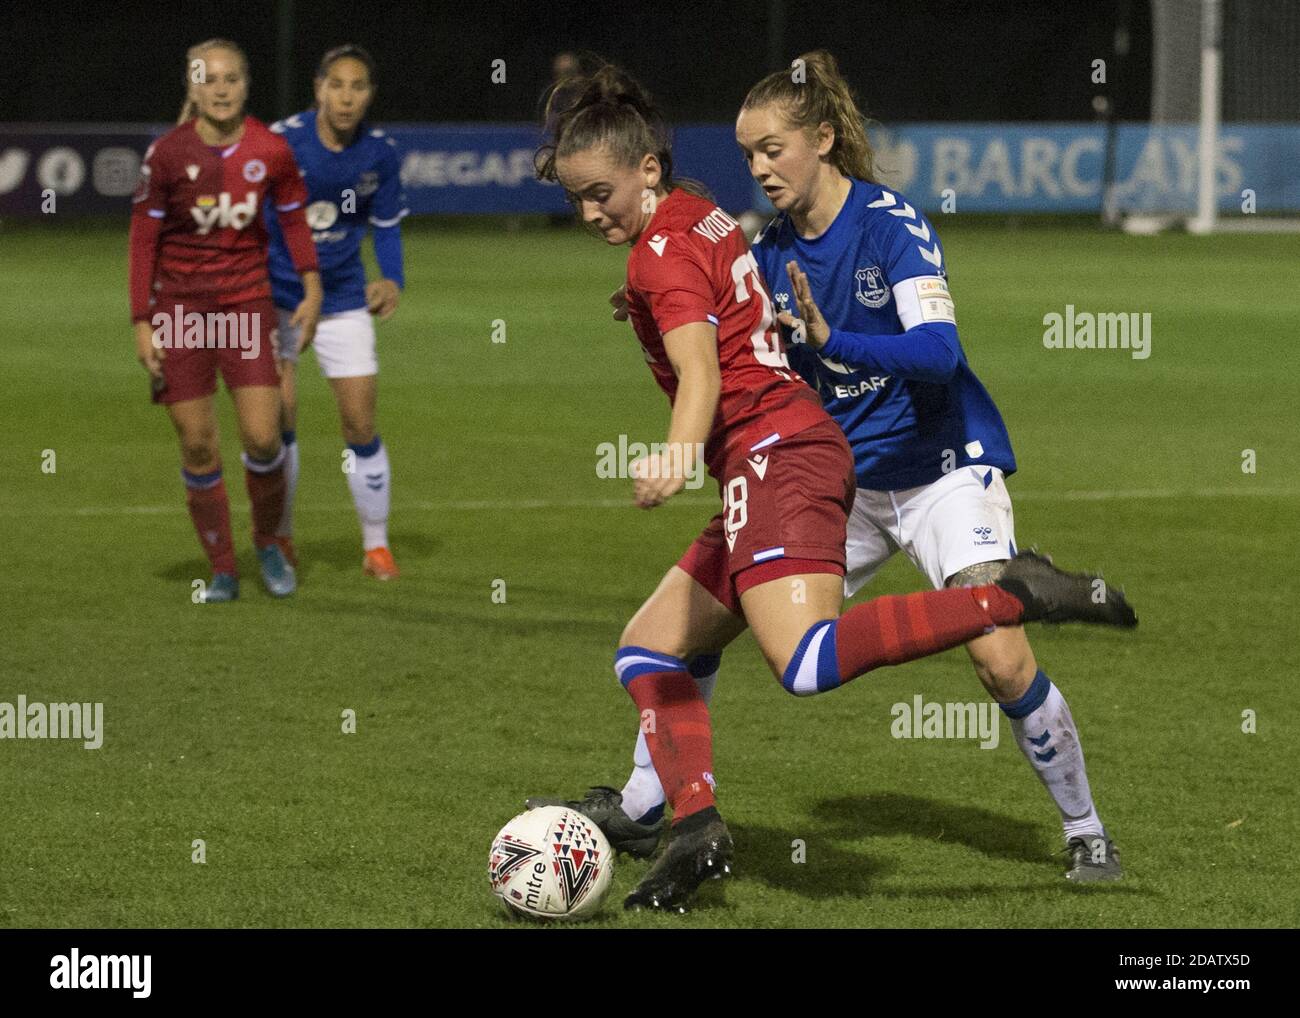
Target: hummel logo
x,y
759,463
192,172
657,243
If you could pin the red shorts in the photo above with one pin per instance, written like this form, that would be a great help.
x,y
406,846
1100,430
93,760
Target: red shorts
x,y
200,337
781,503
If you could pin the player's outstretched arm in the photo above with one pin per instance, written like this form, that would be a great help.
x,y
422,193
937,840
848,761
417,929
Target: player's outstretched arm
x,y
927,351
693,353
924,353
816,330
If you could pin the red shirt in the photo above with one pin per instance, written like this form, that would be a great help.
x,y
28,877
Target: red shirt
x,y
692,264
197,231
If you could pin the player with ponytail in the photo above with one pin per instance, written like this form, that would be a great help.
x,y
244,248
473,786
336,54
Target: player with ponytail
x,y
200,300
785,473
861,277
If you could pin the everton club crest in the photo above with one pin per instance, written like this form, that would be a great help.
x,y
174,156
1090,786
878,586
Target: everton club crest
x,y
872,291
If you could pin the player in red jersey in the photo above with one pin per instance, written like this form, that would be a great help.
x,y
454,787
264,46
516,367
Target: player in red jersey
x,y
201,299
773,558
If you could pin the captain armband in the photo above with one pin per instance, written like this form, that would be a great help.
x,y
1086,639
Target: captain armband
x,y
922,300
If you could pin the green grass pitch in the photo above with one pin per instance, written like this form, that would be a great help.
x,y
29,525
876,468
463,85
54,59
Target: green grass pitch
x,y
223,723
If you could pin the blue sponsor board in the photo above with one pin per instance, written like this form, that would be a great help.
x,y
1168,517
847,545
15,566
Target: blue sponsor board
x,y
1059,167
489,168
472,168
960,167
71,170
446,168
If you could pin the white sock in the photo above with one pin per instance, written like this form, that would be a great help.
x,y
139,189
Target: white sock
x,y
1046,734
643,791
290,483
369,482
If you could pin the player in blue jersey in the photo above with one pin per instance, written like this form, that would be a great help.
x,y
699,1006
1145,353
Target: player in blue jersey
x,y
860,276
771,559
354,184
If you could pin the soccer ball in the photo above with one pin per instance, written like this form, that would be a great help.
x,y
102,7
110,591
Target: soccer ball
x,y
551,863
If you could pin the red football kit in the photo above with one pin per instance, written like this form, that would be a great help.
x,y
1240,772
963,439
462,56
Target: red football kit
x,y
784,468
786,476
198,275
199,245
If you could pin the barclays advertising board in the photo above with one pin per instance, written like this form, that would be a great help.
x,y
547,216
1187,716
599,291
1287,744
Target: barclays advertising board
x,y
477,169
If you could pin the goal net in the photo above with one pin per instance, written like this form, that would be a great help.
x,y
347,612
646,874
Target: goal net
x,y
1222,150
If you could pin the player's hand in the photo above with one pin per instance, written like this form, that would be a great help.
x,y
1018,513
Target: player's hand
x,y
381,298
810,323
618,301
147,351
305,319
656,480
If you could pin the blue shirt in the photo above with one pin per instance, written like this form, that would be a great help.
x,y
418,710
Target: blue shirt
x,y
347,192
893,374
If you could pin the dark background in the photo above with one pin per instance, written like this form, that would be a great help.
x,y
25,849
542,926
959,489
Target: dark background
x,y
908,60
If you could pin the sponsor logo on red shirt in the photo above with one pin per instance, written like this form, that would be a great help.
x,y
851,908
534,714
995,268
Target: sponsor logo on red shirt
x,y
225,213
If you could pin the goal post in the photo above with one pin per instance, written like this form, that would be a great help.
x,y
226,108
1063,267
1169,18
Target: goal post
x,y
1225,96
1207,148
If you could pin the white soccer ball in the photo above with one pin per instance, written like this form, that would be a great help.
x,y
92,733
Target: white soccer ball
x,y
551,863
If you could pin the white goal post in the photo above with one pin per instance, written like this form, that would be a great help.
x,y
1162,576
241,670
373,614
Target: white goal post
x,y
1225,77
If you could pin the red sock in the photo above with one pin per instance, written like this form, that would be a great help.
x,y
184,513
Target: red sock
x,y
896,628
266,491
210,510
679,736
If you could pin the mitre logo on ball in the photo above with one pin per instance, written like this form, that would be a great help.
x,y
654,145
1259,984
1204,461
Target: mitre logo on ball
x,y
551,863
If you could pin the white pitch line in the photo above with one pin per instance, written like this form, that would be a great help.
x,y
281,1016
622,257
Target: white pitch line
x,y
1140,493
507,505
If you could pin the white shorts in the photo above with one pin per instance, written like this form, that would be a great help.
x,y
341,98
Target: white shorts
x,y
344,343
960,520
